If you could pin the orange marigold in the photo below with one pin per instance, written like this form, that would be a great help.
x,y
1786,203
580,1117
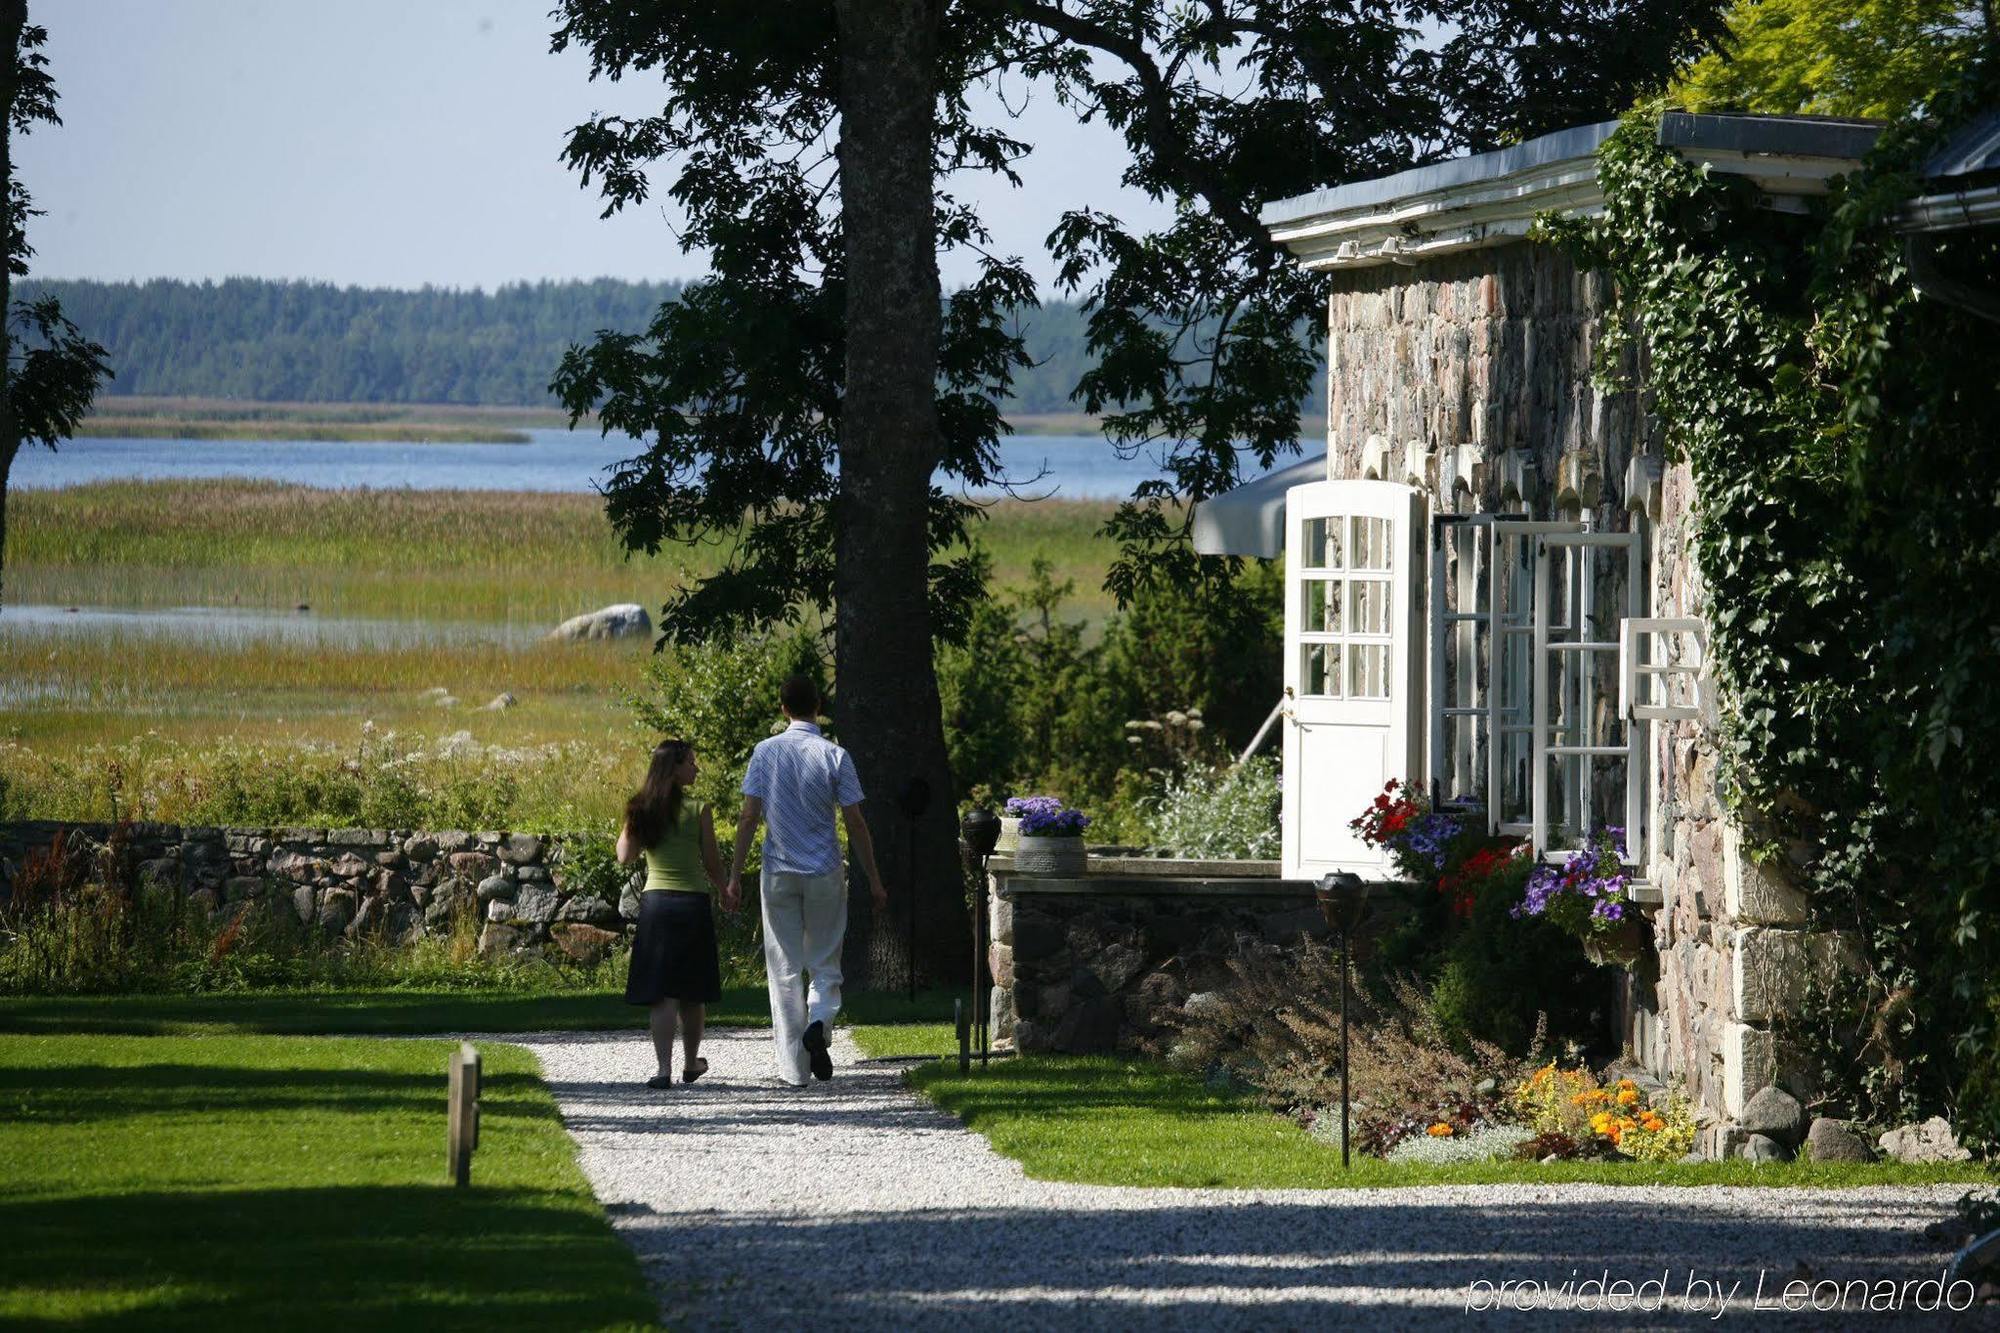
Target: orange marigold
x,y
1628,1096
1440,1130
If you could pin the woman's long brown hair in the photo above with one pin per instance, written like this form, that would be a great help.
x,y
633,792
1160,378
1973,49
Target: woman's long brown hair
x,y
656,806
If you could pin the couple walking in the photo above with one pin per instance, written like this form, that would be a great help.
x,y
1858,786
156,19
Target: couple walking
x,y
796,780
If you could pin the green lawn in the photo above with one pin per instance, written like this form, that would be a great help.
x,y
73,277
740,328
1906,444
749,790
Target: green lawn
x,y
410,1012
278,1182
900,1041
1116,1121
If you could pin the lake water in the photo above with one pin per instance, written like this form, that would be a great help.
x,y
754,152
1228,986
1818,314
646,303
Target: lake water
x,y
1076,467
234,626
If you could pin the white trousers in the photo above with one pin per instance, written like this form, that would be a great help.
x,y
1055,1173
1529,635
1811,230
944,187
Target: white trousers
x,y
805,920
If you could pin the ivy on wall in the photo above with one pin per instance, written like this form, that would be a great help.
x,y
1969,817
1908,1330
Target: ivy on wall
x,y
1839,427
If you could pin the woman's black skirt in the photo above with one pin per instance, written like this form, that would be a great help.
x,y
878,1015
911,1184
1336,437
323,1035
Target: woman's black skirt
x,y
674,956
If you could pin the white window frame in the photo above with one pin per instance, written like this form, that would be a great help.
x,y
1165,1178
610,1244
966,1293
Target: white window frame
x,y
1571,549
1631,749
1643,658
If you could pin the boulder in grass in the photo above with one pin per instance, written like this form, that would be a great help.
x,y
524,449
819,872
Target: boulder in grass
x,y
1836,1141
1776,1113
624,621
1931,1141
583,943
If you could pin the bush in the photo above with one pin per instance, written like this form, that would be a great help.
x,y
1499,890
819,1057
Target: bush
x,y
1220,812
1276,1029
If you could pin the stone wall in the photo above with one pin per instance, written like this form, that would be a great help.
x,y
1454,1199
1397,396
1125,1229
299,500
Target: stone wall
x,y
398,884
1097,963
1473,357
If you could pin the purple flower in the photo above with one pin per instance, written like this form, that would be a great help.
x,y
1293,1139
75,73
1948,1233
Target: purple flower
x,y
1046,816
1430,836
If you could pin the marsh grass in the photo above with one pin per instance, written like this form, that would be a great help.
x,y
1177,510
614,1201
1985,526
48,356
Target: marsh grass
x,y
158,724
496,556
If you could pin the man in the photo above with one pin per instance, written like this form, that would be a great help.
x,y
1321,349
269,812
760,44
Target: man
x,y
795,781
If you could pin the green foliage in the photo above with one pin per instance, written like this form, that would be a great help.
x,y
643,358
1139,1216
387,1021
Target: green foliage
x,y
1851,560
1878,59
1031,703
1220,812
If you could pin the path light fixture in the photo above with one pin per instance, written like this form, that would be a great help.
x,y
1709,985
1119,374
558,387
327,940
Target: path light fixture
x,y
1343,900
978,834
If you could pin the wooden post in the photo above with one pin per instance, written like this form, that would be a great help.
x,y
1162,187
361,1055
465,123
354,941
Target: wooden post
x,y
462,1112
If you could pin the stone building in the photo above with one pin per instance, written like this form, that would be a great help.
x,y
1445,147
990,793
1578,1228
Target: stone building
x,y
1490,590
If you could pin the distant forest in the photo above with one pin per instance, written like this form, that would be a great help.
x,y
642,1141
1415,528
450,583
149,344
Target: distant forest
x,y
313,342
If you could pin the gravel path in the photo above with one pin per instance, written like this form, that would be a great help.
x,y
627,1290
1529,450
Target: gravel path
x,y
855,1203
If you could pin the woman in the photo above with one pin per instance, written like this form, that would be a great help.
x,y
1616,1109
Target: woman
x,y
674,969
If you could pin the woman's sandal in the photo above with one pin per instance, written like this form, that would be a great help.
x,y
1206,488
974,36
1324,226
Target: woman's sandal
x,y
695,1070
660,1081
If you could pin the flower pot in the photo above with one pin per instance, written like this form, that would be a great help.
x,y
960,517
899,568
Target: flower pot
x,y
1035,855
1618,947
1010,834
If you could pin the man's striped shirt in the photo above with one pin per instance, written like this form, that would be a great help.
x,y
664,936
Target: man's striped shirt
x,y
802,778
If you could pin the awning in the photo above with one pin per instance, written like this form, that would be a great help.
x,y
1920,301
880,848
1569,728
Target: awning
x,y
1250,520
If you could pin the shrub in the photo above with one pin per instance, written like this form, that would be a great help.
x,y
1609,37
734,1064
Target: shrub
x,y
1219,812
1276,1029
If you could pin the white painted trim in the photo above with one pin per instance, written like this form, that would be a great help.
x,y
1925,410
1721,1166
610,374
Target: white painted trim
x,y
1459,217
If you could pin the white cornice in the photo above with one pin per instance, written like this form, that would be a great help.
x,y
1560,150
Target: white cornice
x,y
1492,207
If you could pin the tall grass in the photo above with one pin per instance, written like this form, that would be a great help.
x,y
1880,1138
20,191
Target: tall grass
x,y
510,557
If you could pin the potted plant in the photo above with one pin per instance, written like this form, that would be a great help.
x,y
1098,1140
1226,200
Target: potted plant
x,y
1586,897
1051,836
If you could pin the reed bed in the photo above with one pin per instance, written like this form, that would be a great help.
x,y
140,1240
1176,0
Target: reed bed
x,y
377,777
184,428
495,556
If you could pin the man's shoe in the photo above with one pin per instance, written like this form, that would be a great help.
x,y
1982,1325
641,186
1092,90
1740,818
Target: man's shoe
x,y
815,1043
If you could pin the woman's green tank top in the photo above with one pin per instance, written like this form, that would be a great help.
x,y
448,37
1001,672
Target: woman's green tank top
x,y
674,862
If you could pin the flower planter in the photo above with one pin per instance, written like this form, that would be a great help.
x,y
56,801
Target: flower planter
x,y
1010,834
1618,947
1062,856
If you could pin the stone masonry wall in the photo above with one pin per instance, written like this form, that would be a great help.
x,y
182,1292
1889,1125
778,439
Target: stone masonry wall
x,y
1486,352
1101,971
400,884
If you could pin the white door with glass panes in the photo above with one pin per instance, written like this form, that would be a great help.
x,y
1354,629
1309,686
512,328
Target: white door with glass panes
x,y
1352,666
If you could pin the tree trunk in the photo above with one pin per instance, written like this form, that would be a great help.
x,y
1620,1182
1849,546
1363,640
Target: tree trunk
x,y
13,18
885,682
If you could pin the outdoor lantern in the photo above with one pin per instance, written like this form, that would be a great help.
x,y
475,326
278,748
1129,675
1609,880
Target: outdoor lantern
x,y
981,831
1343,900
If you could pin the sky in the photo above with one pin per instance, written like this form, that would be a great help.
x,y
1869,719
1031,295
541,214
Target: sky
x,y
389,143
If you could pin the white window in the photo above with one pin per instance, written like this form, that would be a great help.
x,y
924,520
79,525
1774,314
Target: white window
x,y
1660,665
1525,672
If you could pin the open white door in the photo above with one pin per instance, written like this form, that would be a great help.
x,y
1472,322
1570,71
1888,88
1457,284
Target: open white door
x,y
1353,663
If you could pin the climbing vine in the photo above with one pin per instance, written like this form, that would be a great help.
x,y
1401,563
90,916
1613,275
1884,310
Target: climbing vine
x,y
1837,423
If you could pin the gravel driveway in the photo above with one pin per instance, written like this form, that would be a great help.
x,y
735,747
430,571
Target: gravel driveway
x,y
855,1203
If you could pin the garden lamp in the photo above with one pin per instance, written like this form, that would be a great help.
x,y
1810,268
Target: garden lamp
x,y
1342,896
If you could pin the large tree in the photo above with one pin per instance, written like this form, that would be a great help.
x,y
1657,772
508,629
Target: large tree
x,y
817,380
49,372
